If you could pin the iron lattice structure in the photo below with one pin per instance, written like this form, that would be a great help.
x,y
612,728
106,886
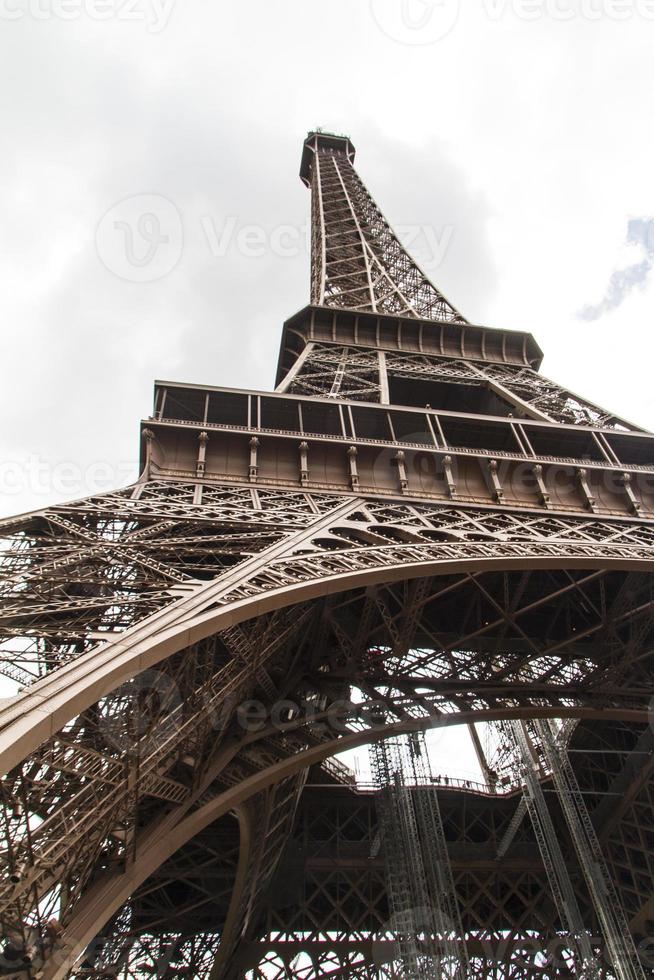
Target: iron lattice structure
x,y
415,529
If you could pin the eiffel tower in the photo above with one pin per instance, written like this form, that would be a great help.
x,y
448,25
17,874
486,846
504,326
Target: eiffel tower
x,y
414,530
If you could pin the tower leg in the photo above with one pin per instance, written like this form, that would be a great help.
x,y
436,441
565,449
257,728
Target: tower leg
x,y
613,922
552,856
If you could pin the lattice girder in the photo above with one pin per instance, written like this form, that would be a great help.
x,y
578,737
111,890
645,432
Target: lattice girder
x,y
227,675
416,530
357,262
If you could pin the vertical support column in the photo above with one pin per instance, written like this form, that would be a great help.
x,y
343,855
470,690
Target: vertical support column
x,y
634,505
440,880
148,436
582,479
354,473
537,470
304,463
489,775
619,943
449,477
406,881
550,849
426,914
384,395
253,469
498,490
200,467
400,461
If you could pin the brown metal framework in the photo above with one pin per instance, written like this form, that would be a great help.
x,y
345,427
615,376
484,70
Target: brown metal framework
x,y
357,261
416,529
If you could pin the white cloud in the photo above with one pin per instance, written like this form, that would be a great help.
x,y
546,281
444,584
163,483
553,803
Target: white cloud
x,y
626,278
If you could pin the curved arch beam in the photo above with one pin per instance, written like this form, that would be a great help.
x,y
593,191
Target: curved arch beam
x,y
244,816
45,708
106,897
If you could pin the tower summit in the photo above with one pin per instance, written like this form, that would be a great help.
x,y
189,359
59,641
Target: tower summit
x,y
415,529
357,261
320,142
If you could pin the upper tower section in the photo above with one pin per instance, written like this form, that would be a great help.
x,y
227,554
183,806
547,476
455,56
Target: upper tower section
x,y
357,262
384,389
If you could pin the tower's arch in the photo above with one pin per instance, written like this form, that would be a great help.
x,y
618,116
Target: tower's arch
x,y
415,530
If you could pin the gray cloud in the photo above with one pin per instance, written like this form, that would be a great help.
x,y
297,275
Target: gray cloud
x,y
93,124
640,232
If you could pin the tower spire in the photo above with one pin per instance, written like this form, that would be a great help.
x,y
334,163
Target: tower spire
x,y
357,261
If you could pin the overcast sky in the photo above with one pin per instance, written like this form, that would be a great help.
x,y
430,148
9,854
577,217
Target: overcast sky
x,y
513,143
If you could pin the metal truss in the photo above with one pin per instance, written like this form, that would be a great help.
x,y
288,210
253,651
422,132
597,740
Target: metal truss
x,y
607,903
339,372
549,398
180,712
202,556
413,924
129,954
149,744
337,842
73,574
584,961
426,920
526,390
367,374
357,261
185,658
454,961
